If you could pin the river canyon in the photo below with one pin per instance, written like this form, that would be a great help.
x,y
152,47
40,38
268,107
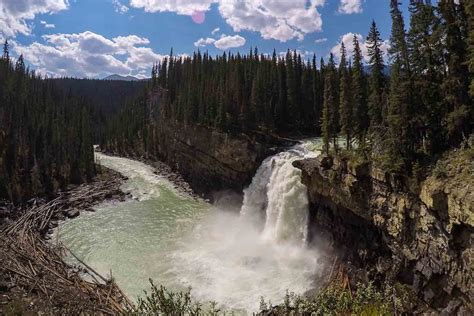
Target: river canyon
x,y
230,252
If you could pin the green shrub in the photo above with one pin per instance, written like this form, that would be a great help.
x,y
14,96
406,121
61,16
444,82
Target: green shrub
x,y
338,300
335,299
161,301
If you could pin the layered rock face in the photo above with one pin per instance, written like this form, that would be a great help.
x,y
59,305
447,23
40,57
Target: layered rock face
x,y
211,160
208,159
422,239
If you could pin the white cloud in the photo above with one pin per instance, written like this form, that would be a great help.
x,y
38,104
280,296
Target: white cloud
x,y
119,7
184,7
216,30
89,54
14,14
321,40
47,25
305,54
227,41
274,19
224,42
204,42
348,39
350,6
281,20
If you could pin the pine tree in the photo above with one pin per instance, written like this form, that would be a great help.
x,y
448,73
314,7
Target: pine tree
x,y
398,140
345,104
317,93
455,84
426,65
328,106
42,143
376,78
292,86
333,110
6,51
359,92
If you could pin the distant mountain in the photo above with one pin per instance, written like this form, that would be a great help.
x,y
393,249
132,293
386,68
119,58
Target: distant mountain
x,y
121,78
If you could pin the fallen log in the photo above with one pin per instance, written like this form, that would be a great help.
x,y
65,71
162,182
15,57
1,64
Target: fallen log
x,y
37,268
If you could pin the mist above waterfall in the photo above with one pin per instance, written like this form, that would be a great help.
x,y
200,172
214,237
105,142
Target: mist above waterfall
x,y
237,258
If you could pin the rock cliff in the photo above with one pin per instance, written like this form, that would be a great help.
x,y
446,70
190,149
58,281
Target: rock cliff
x,y
423,239
207,158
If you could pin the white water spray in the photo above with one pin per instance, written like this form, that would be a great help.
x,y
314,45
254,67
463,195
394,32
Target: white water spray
x,y
277,194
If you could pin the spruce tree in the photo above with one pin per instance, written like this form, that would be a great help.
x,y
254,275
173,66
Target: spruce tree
x,y
333,110
426,64
456,81
317,93
377,78
359,95
398,120
345,104
6,51
328,106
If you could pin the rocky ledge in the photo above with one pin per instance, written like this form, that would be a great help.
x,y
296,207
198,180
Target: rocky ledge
x,y
420,238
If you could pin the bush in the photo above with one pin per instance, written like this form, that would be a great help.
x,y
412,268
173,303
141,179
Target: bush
x,y
161,301
335,299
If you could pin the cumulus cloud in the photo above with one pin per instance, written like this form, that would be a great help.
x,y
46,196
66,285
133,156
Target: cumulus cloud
x,y
119,7
14,14
184,7
224,42
350,6
321,40
47,25
273,19
204,42
89,54
216,30
227,41
348,38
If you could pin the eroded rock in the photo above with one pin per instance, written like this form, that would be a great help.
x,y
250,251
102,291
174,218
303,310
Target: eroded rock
x,y
424,240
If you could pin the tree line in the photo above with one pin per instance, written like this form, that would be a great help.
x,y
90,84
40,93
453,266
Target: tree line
x,y
106,96
408,116
45,134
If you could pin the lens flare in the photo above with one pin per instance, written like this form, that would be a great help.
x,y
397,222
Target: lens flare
x,y
198,17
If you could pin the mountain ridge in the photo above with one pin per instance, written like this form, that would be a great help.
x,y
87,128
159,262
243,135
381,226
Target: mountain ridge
x,y
121,78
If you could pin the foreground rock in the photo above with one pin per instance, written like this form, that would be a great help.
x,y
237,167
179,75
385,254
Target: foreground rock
x,y
421,238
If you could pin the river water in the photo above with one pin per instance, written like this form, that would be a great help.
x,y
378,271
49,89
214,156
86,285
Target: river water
x,y
227,256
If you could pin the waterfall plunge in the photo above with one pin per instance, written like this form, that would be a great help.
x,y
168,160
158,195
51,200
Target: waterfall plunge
x,y
277,195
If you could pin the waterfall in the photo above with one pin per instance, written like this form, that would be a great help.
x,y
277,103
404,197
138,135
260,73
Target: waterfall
x,y
277,199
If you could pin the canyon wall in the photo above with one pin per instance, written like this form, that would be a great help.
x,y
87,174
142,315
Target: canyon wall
x,y
423,239
207,158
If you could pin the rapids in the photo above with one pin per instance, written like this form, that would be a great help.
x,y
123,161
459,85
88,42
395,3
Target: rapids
x,y
180,242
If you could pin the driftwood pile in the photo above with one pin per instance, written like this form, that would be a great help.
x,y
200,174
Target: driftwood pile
x,y
34,275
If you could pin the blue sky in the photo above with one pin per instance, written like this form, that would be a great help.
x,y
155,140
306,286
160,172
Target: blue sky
x,y
94,38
